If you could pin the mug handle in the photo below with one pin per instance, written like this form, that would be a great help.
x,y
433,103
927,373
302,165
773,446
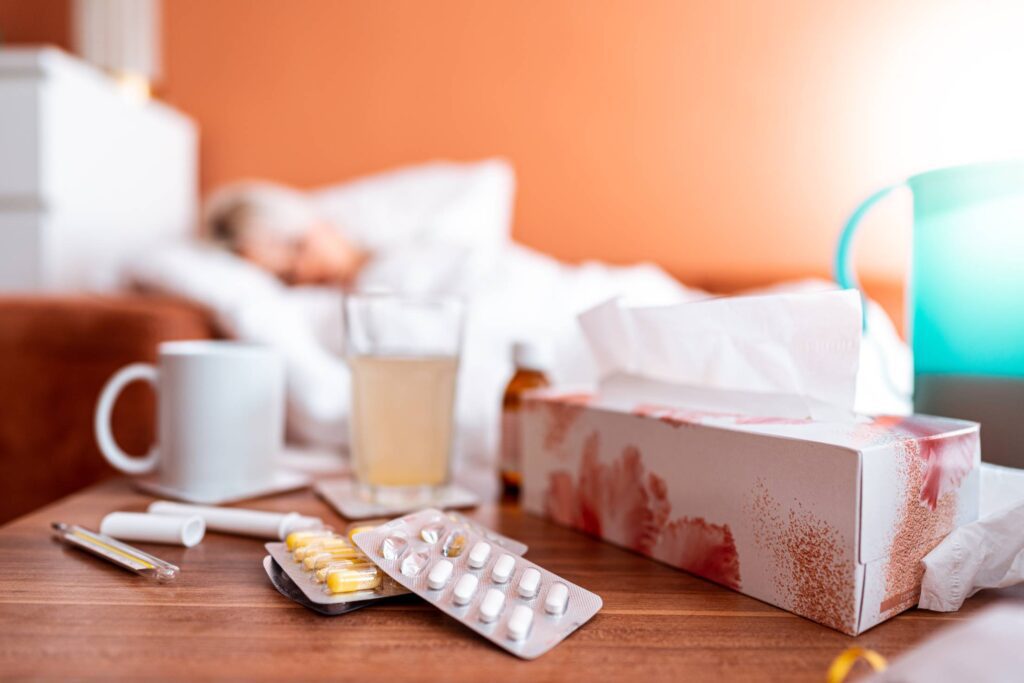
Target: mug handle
x,y
845,274
105,436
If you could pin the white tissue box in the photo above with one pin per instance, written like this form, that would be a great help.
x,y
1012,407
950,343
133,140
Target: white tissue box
x,y
829,520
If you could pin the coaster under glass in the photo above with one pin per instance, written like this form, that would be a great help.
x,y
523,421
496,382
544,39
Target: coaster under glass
x,y
354,501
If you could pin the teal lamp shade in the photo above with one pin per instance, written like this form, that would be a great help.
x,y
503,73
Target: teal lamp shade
x,y
966,292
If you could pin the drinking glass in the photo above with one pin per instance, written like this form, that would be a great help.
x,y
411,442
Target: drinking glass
x,y
403,353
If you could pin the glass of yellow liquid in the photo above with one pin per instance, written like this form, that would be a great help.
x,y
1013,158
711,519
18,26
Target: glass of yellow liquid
x,y
403,353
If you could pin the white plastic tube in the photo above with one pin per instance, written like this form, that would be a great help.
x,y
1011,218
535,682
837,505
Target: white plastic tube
x,y
240,521
141,526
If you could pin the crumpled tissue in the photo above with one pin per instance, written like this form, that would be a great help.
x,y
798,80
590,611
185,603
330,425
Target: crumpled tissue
x,y
988,553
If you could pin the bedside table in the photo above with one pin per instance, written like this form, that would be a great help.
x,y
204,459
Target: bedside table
x,y
65,614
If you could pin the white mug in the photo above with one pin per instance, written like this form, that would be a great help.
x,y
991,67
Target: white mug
x,y
220,416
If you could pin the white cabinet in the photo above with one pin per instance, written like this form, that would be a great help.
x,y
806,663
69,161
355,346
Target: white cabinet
x,y
88,176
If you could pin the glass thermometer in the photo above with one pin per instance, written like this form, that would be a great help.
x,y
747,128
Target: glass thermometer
x,y
112,550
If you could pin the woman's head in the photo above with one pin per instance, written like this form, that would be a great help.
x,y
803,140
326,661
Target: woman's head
x,y
279,229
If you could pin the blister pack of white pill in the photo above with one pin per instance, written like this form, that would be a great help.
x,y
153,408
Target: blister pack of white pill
x,y
509,600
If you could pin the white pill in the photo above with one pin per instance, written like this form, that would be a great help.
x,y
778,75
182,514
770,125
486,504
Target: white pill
x,y
479,554
503,568
439,574
529,582
490,606
557,598
519,622
464,589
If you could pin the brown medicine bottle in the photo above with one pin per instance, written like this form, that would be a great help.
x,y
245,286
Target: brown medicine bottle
x,y
530,364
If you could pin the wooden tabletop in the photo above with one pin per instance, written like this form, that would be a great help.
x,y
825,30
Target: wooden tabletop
x,y
64,613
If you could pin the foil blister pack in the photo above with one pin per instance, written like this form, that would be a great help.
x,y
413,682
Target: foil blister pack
x,y
289,589
324,571
329,570
462,571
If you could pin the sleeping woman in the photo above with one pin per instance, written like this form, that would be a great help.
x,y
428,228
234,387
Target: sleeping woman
x,y
279,230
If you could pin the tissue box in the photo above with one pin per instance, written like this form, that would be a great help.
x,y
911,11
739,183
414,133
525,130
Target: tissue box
x,y
829,520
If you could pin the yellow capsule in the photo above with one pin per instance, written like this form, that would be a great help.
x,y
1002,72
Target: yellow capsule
x,y
297,539
352,579
359,529
304,547
317,560
320,574
323,546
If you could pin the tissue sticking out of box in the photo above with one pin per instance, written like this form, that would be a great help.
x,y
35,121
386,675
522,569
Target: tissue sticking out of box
x,y
789,355
987,553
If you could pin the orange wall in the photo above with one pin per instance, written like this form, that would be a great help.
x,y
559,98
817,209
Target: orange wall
x,y
44,21
722,139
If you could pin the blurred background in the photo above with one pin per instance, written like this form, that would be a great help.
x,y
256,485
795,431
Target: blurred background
x,y
723,143
726,141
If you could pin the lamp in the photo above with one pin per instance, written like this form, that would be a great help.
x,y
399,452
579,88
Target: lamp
x,y
122,37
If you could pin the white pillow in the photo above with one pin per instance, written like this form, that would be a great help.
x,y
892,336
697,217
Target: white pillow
x,y
206,275
464,204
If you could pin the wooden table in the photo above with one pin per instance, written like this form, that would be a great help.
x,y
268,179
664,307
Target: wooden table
x,y
66,614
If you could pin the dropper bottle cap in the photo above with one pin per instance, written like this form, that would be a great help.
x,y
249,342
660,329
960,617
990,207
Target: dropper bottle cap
x,y
530,356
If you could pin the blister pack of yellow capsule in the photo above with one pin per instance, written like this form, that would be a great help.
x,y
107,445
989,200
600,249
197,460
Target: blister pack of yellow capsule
x,y
324,570
504,597
331,574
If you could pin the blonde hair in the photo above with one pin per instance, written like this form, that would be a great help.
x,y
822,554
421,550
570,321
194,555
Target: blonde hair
x,y
233,209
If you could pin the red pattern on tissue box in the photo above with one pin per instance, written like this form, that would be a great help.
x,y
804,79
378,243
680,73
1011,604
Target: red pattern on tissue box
x,y
828,520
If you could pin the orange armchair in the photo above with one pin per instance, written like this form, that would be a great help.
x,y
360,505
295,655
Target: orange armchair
x,y
56,352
